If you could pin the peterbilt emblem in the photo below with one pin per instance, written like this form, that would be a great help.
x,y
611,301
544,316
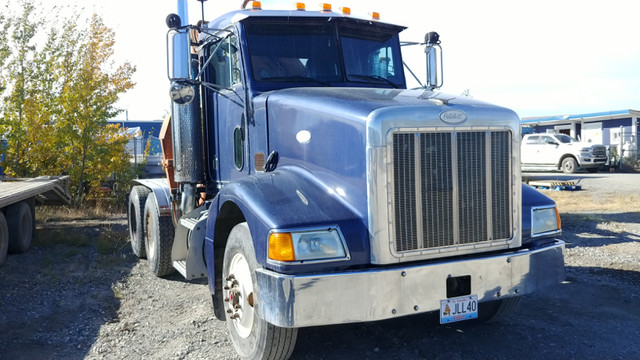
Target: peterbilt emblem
x,y
453,117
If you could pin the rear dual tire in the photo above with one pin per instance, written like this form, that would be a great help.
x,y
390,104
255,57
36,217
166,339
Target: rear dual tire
x,y
158,238
137,200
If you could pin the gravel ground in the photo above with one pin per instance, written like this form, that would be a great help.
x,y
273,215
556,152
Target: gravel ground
x,y
69,298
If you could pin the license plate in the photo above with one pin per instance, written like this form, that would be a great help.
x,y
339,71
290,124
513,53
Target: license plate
x,y
458,309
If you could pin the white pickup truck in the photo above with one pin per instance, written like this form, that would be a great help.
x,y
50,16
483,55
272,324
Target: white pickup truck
x,y
560,152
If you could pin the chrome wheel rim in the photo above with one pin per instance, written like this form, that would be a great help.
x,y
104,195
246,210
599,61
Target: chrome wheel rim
x,y
239,296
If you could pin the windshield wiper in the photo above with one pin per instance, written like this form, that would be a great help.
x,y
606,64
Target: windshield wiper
x,y
373,77
294,79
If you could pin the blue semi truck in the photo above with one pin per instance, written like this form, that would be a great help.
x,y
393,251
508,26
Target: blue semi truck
x,y
311,187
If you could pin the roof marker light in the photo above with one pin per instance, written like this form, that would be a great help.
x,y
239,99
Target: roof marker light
x,y
346,10
300,6
375,15
257,5
326,7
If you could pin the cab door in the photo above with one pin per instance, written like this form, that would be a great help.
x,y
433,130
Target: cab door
x,y
548,150
227,123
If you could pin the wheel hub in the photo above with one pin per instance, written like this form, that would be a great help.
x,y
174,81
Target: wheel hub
x,y
238,295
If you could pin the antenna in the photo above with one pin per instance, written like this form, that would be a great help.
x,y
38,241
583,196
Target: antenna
x,y
202,7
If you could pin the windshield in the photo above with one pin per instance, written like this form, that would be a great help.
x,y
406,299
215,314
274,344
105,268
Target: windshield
x,y
323,54
371,55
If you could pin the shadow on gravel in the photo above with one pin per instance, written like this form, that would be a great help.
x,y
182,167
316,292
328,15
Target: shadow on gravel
x,y
55,297
593,229
176,277
592,315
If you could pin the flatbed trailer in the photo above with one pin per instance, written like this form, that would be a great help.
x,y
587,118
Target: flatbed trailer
x,y
18,198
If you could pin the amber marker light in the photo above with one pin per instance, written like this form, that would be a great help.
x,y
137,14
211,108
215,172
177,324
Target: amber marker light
x,y
300,6
375,15
281,247
257,5
346,11
558,220
326,7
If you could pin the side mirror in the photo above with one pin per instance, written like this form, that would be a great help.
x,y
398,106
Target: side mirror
x,y
433,52
178,51
182,93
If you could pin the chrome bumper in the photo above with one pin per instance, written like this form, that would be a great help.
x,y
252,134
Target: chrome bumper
x,y
587,161
377,294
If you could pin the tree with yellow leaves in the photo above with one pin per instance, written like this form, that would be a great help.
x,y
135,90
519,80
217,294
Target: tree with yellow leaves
x,y
89,93
56,100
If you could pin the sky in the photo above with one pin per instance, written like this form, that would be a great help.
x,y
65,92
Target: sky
x,y
537,57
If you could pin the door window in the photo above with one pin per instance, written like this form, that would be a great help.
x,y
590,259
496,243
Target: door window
x,y
225,62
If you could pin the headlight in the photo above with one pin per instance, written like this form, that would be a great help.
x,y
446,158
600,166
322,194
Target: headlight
x,y
318,245
545,220
585,150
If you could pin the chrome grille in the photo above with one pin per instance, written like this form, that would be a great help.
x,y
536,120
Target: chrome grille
x,y
451,188
599,150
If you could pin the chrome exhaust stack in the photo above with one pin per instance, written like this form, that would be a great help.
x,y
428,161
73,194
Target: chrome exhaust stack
x,y
186,124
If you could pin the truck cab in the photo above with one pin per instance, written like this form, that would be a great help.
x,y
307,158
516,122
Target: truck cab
x,y
311,187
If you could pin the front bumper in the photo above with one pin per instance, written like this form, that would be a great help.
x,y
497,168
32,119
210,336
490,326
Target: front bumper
x,y
377,294
592,161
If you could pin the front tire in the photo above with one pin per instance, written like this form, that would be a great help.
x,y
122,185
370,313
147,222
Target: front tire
x,y
569,165
498,310
158,235
252,337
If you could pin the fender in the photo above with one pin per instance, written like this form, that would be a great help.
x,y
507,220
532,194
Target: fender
x,y
161,190
187,248
288,198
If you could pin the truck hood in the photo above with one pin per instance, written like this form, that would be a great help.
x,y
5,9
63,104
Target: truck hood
x,y
327,131
358,103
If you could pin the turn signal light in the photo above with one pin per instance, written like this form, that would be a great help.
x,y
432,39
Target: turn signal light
x,y
300,6
281,247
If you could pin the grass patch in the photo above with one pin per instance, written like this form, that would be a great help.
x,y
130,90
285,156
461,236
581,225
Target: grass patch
x,y
47,237
94,210
584,201
110,241
117,291
71,252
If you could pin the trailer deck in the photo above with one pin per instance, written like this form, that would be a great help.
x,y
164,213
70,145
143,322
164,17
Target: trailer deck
x,y
47,190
